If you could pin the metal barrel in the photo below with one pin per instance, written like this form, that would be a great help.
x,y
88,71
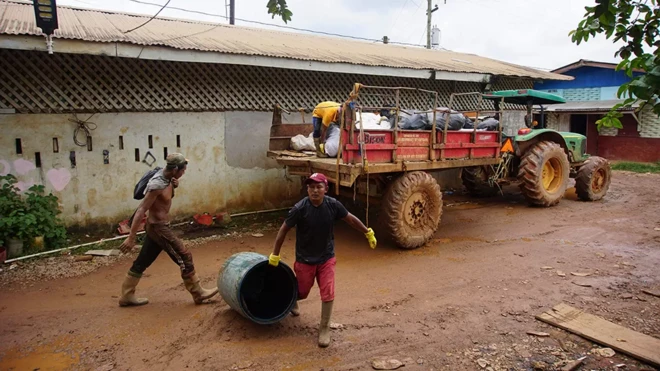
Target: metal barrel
x,y
259,292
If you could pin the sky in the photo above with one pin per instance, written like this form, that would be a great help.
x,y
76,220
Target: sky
x,y
531,33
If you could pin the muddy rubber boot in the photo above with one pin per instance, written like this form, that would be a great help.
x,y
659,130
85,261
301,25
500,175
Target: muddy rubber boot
x,y
319,152
295,311
198,293
128,298
324,327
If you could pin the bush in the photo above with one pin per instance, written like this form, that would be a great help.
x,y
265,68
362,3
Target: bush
x,y
30,215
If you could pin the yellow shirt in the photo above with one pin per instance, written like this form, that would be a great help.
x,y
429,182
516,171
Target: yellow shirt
x,y
327,112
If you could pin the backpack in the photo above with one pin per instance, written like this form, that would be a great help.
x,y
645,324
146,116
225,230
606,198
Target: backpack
x,y
138,192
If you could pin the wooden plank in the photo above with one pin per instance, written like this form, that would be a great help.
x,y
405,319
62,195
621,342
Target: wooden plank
x,y
290,130
599,330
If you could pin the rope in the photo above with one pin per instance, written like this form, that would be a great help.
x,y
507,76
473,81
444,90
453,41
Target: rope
x,y
365,162
84,126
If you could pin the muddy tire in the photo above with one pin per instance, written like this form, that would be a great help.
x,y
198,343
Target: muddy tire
x,y
593,179
411,209
475,180
543,174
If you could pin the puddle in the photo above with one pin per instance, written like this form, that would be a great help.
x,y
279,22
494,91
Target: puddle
x,y
42,358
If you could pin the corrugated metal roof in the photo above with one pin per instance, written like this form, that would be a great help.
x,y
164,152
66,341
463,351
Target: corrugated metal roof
x,y
589,106
103,26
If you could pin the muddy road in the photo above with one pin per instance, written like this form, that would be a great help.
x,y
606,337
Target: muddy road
x,y
463,302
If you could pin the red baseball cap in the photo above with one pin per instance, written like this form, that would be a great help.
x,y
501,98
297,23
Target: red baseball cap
x,y
317,178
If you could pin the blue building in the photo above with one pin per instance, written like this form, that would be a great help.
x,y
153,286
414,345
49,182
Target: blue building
x,y
590,95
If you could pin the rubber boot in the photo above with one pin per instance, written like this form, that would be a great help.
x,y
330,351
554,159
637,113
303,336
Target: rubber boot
x,y
198,293
128,298
319,152
324,327
295,311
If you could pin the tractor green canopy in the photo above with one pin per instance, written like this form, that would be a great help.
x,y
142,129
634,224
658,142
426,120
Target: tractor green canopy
x,y
525,96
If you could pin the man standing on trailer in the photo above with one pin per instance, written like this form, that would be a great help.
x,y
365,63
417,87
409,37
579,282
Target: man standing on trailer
x,y
314,218
325,114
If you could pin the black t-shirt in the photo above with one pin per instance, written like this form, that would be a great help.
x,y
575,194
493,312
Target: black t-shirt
x,y
315,240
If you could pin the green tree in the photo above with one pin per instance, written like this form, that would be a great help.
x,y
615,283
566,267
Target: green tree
x,y
279,8
635,22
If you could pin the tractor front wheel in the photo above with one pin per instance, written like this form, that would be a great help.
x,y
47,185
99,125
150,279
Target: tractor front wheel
x,y
593,179
412,209
543,174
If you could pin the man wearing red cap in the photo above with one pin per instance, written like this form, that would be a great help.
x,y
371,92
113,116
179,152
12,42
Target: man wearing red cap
x,y
314,218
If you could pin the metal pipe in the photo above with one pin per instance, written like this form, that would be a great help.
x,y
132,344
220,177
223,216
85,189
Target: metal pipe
x,y
120,237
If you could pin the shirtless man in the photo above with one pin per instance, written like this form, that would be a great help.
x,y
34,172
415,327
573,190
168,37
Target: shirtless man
x,y
158,199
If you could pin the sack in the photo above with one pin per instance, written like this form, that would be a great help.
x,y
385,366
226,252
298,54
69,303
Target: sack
x,y
138,192
303,143
332,141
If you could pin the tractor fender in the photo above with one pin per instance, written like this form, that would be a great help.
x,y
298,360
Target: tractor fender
x,y
524,142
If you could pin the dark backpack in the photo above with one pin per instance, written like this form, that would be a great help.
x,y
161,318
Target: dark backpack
x,y
138,192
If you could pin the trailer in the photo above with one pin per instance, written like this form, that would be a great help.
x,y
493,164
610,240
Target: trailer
x,y
391,167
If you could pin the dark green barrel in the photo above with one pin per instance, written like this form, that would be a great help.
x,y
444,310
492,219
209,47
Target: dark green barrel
x,y
258,291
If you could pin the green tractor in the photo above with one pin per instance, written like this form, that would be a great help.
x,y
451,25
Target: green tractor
x,y
540,160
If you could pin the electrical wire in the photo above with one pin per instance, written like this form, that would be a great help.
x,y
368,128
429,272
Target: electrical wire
x,y
84,126
274,25
150,19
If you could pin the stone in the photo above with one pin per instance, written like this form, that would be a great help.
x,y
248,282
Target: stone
x,y
482,363
604,352
386,364
539,366
561,274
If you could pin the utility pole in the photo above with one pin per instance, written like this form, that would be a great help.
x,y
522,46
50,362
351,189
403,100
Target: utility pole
x,y
429,15
232,5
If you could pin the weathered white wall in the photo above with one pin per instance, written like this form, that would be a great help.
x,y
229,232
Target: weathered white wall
x,y
228,167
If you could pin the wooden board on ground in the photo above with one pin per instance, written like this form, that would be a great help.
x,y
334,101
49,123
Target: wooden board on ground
x,y
643,347
112,252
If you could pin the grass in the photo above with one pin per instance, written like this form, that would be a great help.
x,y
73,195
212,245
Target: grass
x,y
637,167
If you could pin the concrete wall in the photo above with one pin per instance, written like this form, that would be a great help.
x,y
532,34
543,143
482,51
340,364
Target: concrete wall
x,y
512,121
227,152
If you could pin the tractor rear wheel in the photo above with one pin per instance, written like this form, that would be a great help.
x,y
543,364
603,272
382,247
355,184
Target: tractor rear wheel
x,y
543,174
475,180
593,179
412,209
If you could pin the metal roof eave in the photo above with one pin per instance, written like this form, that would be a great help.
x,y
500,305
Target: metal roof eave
x,y
129,50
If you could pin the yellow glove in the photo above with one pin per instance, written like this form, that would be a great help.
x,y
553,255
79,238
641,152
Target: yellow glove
x,y
371,237
322,147
274,260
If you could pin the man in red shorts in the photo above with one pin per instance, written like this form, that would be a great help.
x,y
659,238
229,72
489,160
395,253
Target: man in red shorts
x,y
314,218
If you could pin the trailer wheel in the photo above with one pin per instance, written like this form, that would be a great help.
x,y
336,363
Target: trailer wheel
x,y
475,180
593,179
412,209
543,174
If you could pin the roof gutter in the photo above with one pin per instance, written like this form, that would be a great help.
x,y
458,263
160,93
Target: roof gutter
x,y
127,50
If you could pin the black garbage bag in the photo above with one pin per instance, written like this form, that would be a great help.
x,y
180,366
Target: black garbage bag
x,y
456,120
489,124
415,121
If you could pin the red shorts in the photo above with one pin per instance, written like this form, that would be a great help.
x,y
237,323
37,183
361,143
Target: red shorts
x,y
324,274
